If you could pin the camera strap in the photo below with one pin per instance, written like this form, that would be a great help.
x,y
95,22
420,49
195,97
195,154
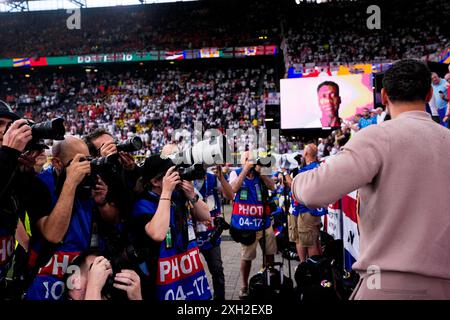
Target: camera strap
x,y
265,195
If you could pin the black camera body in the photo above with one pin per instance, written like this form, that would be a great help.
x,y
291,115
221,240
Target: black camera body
x,y
103,167
221,225
191,173
131,145
129,257
51,129
265,162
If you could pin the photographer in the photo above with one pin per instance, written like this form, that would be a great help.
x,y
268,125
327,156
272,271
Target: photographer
x,y
305,223
101,143
247,214
16,171
89,275
208,233
113,236
60,211
163,224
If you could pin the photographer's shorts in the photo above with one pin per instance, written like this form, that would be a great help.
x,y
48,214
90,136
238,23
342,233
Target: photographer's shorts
x,y
304,229
249,252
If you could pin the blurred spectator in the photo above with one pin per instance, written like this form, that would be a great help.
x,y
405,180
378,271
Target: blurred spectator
x,y
380,115
440,95
366,120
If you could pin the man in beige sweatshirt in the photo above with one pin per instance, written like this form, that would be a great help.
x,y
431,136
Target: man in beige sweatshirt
x,y
402,170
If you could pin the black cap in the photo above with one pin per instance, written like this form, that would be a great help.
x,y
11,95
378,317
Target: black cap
x,y
6,111
155,165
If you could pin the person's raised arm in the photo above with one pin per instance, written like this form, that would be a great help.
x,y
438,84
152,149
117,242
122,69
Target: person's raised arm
x,y
201,210
287,178
225,187
270,184
129,281
54,226
99,272
158,226
236,184
356,165
14,142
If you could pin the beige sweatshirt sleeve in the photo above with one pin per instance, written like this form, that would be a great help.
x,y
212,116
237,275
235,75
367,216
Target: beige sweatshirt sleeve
x,y
356,165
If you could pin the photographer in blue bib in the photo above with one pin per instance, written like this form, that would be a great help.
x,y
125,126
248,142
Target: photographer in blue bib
x,y
61,207
209,233
163,223
120,173
250,215
305,223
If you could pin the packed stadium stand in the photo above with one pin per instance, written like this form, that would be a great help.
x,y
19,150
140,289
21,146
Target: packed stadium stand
x,y
168,26
154,100
338,32
148,102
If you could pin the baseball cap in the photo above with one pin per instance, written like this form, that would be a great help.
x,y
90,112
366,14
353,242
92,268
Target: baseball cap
x,y
6,111
155,165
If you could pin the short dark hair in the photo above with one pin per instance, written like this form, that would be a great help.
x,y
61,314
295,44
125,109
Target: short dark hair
x,y
91,136
407,81
329,83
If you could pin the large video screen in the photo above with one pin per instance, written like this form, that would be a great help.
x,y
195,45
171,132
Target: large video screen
x,y
324,102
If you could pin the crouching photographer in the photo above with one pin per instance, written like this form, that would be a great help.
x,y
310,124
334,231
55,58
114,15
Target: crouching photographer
x,y
19,148
162,218
60,211
251,215
92,277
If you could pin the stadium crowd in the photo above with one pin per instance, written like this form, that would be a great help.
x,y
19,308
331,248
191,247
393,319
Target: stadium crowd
x,y
136,231
148,103
345,37
140,28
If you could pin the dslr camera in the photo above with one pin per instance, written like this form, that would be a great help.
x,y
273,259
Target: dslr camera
x,y
221,225
191,173
131,145
193,162
51,129
102,166
130,257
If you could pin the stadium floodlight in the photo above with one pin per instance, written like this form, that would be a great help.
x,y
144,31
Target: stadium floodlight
x,y
38,5
14,5
80,3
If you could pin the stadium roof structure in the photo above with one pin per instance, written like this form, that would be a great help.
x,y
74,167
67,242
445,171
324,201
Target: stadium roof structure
x,y
40,5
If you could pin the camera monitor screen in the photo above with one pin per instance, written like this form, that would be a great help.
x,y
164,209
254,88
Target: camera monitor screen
x,y
324,102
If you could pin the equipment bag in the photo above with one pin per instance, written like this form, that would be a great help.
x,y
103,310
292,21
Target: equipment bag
x,y
271,284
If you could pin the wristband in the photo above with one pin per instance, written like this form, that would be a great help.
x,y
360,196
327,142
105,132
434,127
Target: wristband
x,y
165,199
